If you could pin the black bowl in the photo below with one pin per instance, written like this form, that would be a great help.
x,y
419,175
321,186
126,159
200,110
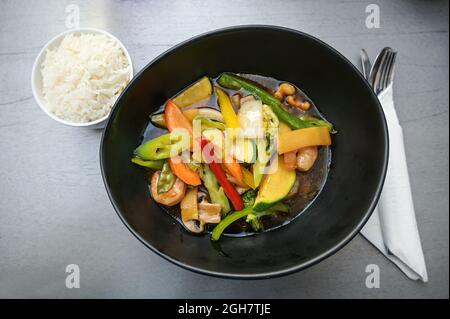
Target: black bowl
x,y
359,152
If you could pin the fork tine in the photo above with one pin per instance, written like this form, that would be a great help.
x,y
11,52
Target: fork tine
x,y
388,71
381,70
381,73
365,63
376,68
385,72
392,68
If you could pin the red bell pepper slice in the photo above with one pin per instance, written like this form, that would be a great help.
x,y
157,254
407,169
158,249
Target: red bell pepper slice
x,y
228,188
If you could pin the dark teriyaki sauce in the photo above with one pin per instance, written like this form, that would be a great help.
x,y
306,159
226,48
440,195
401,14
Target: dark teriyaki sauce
x,y
310,183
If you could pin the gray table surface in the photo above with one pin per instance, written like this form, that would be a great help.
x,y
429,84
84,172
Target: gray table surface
x,y
54,209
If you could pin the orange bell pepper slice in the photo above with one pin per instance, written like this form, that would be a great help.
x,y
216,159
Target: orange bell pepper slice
x,y
183,172
175,118
233,167
296,139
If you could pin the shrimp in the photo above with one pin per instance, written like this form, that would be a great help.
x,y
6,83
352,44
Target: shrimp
x,y
173,196
306,157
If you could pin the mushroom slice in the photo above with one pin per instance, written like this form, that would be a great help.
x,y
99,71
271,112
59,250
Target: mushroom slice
x,y
209,213
195,215
194,226
189,211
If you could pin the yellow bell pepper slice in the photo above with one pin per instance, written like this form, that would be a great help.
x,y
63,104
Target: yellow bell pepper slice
x,y
283,128
296,139
248,178
230,117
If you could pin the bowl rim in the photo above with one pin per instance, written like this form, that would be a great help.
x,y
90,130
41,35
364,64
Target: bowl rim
x,y
39,59
302,265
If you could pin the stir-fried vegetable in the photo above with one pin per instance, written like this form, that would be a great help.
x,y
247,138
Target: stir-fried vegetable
x,y
248,178
226,108
244,150
149,164
274,187
265,147
270,119
233,81
209,213
254,219
162,147
234,169
241,176
301,138
175,119
250,118
189,210
319,122
207,112
184,172
198,91
249,197
228,188
166,179
210,123
247,211
216,140
290,158
158,119
216,192
258,172
227,221
195,215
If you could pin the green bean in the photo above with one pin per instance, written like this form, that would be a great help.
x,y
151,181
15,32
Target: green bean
x,y
227,221
166,179
235,82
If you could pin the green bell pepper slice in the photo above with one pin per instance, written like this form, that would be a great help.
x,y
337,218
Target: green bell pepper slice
x,y
162,147
216,192
157,165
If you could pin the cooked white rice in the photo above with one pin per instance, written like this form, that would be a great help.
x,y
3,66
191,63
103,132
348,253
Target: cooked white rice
x,y
83,77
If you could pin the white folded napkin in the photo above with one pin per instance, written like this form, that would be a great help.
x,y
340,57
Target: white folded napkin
x,y
392,228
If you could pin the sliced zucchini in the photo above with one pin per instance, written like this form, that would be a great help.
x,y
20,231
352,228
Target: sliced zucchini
x,y
274,187
198,91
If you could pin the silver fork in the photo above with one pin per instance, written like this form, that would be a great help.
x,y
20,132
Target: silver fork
x,y
381,73
386,71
